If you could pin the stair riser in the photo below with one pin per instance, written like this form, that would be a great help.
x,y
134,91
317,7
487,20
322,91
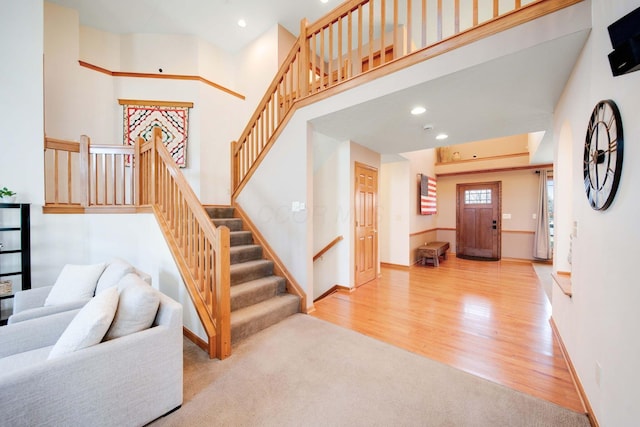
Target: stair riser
x,y
254,273
234,224
246,254
258,294
239,239
239,332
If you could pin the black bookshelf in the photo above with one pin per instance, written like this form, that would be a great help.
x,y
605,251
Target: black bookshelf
x,y
11,224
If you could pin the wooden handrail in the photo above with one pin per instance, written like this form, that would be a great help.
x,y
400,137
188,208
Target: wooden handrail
x,y
332,54
326,248
61,144
201,251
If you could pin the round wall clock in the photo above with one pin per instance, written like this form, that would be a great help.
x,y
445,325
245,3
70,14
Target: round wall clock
x,y
603,148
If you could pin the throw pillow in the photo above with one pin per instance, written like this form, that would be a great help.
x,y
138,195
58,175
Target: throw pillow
x,y
88,326
75,282
116,270
137,307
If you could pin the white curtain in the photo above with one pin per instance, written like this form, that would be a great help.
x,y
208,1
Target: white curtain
x,y
542,240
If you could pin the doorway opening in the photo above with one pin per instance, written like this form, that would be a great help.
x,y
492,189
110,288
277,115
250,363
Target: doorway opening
x,y
478,220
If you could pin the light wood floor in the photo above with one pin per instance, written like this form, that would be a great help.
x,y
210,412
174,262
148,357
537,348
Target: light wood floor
x,y
490,319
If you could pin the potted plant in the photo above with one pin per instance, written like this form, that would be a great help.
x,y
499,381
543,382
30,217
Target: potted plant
x,y
6,195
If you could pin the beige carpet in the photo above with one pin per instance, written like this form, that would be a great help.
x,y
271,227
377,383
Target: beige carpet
x,y
307,372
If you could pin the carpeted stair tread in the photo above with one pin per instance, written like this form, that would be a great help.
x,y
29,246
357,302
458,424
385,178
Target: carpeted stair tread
x,y
250,270
244,253
256,291
219,212
234,224
249,320
239,238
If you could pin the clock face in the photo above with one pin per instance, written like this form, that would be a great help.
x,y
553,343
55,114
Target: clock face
x,y
603,148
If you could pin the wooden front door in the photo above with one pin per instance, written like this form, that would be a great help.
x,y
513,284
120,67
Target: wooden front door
x,y
366,214
478,225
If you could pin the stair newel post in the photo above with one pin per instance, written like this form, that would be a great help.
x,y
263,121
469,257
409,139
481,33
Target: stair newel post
x,y
303,65
223,292
85,180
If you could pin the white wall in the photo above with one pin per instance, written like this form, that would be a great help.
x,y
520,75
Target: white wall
x,y
394,213
281,179
599,325
330,212
21,163
21,124
82,101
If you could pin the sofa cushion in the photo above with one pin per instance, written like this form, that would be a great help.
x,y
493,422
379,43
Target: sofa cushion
x,y
116,270
75,282
137,307
89,326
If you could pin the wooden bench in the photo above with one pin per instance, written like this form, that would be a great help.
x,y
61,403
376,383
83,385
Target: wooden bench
x,y
433,251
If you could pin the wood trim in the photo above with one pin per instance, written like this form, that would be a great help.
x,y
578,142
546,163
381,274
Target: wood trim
x,y
500,157
327,247
454,229
518,231
333,289
395,266
159,76
563,280
62,145
494,170
574,376
279,269
195,339
155,103
424,232
77,208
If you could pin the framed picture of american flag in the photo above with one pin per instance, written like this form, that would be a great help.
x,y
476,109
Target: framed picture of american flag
x,y
427,195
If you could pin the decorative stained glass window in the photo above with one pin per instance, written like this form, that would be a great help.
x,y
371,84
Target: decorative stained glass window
x,y
477,197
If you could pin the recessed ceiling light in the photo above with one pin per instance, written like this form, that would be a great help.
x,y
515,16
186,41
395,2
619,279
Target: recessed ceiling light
x,y
442,136
242,23
418,110
324,1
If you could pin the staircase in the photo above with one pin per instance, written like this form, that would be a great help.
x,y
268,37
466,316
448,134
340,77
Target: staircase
x,y
258,297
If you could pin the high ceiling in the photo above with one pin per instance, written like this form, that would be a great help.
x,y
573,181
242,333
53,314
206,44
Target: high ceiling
x,y
212,20
508,95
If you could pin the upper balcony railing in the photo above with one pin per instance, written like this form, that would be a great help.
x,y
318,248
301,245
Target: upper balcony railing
x,y
359,38
81,176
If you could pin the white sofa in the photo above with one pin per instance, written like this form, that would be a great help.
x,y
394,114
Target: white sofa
x,y
126,381
31,303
